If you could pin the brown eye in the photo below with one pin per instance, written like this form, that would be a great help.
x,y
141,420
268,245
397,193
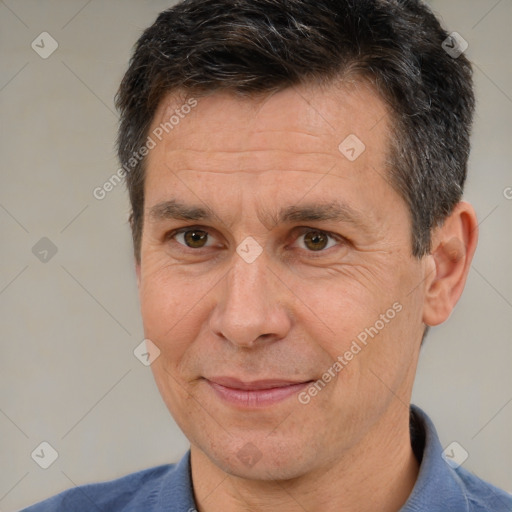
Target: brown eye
x,y
194,238
316,240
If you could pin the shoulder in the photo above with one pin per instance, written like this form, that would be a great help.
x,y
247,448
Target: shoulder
x,y
442,483
136,491
482,496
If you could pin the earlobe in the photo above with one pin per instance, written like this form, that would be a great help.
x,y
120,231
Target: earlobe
x,y
453,246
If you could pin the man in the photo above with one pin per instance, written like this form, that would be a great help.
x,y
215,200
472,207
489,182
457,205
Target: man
x,y
295,170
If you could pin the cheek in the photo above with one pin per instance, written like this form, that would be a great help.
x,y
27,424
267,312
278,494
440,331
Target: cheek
x,y
175,308
341,311
165,296
159,308
372,325
164,308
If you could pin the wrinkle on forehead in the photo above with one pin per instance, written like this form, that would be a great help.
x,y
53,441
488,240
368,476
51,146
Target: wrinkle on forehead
x,y
262,103
312,110
312,115
250,161
297,130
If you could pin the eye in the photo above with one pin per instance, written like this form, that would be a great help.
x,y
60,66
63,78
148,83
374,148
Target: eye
x,y
192,238
315,240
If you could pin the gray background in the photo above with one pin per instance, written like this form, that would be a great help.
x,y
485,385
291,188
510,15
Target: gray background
x,y
69,325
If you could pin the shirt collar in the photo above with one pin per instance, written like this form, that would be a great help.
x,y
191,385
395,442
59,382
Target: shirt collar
x,y
176,489
438,487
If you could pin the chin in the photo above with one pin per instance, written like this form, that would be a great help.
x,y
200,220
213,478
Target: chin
x,y
262,459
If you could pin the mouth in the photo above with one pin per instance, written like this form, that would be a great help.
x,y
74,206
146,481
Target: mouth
x,y
254,394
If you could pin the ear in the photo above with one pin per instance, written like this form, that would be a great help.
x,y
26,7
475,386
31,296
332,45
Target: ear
x,y
453,247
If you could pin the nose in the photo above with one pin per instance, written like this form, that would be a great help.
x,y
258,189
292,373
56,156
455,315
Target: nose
x,y
251,306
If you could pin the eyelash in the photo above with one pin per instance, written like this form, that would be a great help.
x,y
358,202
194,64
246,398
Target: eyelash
x,y
303,231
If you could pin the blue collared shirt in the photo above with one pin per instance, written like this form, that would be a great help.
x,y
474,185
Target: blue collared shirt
x,y
439,487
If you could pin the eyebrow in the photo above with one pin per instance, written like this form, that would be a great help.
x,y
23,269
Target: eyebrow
x,y
174,209
336,211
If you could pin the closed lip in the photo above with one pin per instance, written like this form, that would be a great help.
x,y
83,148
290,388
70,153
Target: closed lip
x,y
231,382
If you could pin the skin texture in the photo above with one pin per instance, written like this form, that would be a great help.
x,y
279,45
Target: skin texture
x,y
291,312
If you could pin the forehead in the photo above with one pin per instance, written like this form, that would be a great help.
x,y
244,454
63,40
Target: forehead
x,y
307,120
241,153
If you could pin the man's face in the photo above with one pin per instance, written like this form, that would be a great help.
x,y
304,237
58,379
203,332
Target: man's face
x,y
218,308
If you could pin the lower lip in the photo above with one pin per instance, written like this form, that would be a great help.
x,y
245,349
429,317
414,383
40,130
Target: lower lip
x,y
256,398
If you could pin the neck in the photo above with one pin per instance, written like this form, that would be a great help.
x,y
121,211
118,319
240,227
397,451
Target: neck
x,y
376,474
